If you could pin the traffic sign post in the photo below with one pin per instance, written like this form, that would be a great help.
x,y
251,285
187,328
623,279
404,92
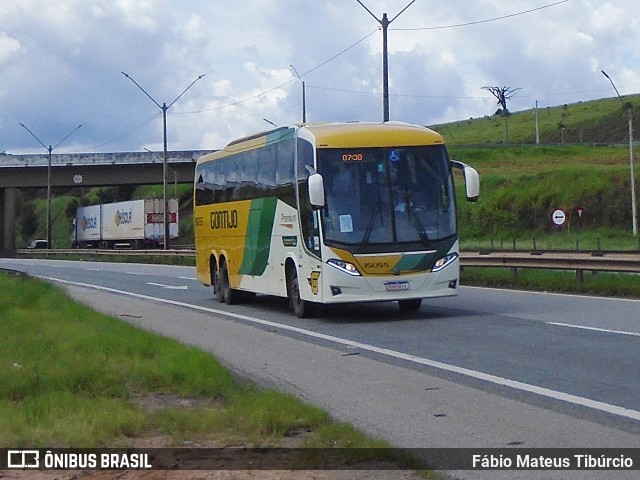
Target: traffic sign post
x,y
559,217
579,212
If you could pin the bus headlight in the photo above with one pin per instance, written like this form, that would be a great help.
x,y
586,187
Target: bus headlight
x,y
343,266
444,261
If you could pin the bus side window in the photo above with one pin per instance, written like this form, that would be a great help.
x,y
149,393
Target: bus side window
x,y
285,172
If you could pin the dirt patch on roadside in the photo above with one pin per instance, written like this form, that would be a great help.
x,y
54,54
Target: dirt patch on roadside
x,y
155,402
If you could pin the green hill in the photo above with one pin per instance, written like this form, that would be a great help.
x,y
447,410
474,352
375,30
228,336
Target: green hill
x,y
596,121
582,162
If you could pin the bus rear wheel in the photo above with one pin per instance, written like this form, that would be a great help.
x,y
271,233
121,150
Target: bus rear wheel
x,y
224,292
301,308
410,305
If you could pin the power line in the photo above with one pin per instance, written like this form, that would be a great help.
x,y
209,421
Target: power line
x,y
338,54
257,95
344,90
244,100
129,132
462,97
477,22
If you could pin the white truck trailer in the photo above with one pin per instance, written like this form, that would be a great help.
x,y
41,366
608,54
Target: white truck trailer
x,y
134,224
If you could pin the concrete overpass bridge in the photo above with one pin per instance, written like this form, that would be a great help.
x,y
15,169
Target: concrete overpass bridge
x,y
83,170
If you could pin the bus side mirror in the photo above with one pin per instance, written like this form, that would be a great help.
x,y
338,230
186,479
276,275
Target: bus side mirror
x,y
316,190
471,180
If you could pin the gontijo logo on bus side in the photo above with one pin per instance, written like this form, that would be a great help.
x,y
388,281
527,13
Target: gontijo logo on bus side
x,y
246,226
223,219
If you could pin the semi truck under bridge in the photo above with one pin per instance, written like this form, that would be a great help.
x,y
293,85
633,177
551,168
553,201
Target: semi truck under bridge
x,y
83,170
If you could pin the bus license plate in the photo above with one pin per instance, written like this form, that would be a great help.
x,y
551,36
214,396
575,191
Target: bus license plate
x,y
396,286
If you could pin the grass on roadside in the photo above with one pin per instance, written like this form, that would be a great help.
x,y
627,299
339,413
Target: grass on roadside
x,y
71,377
602,284
567,239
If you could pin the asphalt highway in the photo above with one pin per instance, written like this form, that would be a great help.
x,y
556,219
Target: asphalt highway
x,y
488,368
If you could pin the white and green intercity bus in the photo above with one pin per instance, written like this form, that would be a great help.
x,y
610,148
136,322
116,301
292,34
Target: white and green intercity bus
x,y
330,213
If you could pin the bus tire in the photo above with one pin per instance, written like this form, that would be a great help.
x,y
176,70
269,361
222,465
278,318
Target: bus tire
x,y
215,280
224,292
410,305
301,308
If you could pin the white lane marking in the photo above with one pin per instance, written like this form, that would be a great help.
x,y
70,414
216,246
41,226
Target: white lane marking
x,y
146,274
167,287
595,329
552,294
546,392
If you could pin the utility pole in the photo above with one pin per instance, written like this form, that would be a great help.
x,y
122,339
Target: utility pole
x,y
537,128
384,23
629,108
304,103
49,149
164,107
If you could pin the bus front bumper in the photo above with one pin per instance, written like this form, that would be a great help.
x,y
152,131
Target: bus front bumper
x,y
340,287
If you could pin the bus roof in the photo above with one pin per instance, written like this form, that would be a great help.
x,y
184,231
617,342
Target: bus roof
x,y
340,135
356,134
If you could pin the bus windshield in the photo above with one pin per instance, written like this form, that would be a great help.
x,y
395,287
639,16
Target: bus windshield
x,y
387,196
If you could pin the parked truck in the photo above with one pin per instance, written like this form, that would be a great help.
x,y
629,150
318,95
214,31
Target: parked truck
x,y
133,224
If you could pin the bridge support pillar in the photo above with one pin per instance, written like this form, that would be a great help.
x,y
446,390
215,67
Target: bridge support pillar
x,y
8,222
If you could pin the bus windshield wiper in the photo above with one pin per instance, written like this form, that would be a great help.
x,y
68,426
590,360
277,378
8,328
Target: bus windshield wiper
x,y
413,215
372,220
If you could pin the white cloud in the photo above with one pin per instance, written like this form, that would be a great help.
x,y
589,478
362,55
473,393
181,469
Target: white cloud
x,y
139,13
9,47
61,64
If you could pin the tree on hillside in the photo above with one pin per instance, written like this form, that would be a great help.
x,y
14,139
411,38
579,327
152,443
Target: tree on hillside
x,y
503,94
27,217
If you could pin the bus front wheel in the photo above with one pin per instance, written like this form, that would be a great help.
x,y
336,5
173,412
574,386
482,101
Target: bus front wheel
x,y
301,308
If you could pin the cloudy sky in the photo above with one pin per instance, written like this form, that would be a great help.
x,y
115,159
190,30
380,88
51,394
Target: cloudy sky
x,y
61,64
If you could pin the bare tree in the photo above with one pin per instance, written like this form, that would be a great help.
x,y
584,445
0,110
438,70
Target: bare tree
x,y
502,94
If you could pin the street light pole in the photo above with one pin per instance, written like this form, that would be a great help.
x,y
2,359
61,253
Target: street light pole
x,y
49,150
175,174
304,106
629,107
164,107
384,23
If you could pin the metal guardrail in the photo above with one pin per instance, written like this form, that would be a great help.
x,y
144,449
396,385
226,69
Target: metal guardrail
x,y
596,261
99,252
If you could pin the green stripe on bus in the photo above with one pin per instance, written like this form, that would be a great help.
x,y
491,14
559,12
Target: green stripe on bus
x,y
415,262
258,239
422,261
